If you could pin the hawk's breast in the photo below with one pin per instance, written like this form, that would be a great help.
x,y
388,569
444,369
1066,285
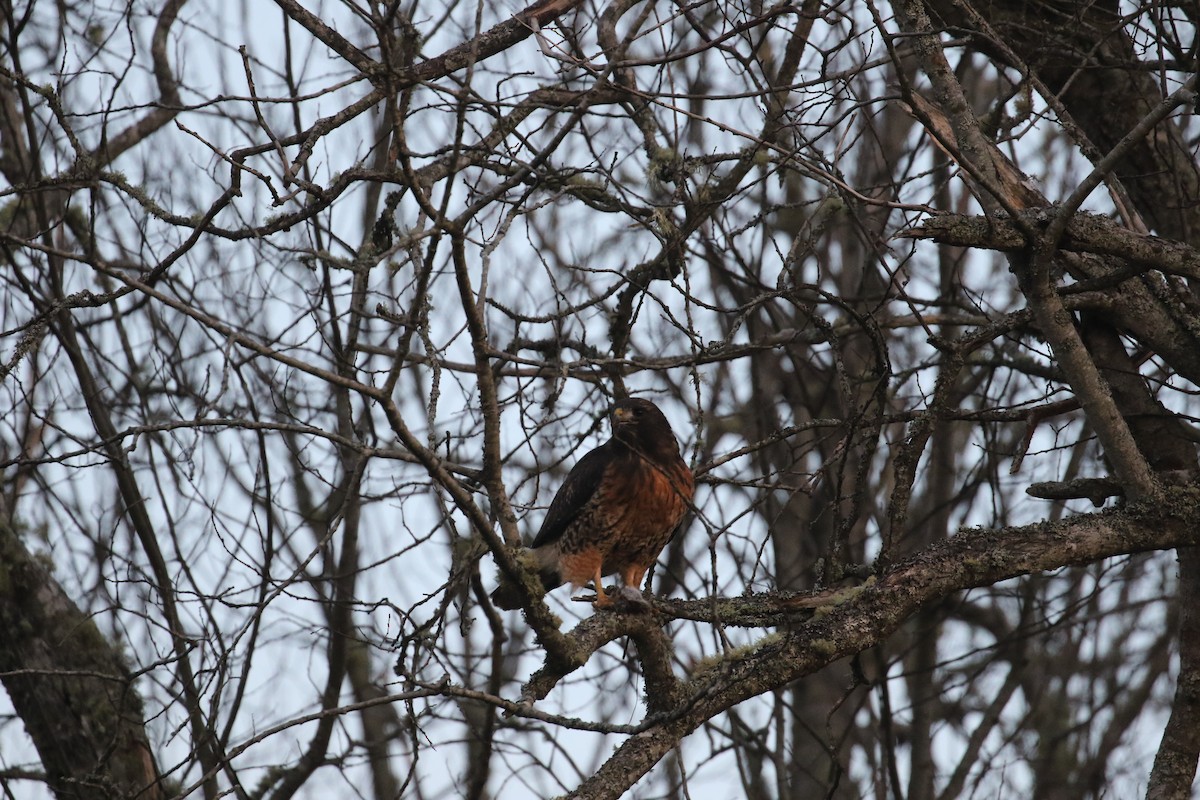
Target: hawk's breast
x,y
633,513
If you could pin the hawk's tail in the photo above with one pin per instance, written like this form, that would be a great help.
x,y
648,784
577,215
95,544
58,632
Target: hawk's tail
x,y
508,597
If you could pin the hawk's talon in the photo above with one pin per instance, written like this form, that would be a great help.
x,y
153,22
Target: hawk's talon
x,y
622,599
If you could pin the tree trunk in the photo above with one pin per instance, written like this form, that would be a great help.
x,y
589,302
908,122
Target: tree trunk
x,y
69,685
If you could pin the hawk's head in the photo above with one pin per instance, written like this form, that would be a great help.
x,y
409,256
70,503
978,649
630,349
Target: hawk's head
x,y
639,424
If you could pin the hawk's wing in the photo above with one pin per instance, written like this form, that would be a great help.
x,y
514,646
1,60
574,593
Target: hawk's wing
x,y
581,484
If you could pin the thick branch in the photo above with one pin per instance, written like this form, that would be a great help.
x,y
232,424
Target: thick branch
x,y
169,103
1085,233
663,690
868,615
327,35
487,44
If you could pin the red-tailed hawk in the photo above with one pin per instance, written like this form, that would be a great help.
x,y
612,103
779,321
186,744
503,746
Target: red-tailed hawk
x,y
616,511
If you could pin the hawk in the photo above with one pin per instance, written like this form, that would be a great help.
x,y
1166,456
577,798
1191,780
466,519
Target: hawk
x,y
616,511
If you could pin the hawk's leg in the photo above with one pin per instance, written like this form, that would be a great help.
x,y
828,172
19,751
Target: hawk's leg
x,y
602,599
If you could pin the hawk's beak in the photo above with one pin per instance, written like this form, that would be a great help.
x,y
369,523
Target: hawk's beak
x,y
620,415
